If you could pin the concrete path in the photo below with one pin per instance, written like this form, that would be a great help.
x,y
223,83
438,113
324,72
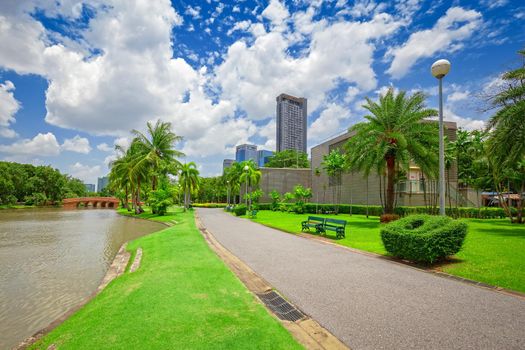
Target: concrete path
x,y
370,303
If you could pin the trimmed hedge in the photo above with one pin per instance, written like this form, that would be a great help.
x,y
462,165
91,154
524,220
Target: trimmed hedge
x,y
209,205
376,210
423,238
239,210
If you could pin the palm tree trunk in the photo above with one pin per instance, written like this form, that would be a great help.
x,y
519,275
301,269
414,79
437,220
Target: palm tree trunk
x,y
390,166
126,204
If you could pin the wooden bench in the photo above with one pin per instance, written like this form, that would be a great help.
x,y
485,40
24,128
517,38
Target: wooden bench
x,y
338,226
313,221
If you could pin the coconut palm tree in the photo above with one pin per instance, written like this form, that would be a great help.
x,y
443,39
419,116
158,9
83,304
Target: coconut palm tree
x,y
189,181
250,176
395,134
156,149
506,142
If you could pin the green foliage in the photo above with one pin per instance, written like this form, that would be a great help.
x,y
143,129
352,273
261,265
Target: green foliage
x,y
395,135
424,238
254,196
276,198
301,195
209,205
18,181
289,158
159,201
240,209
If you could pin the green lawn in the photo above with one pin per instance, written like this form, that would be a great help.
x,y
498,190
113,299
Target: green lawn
x,y
182,297
493,253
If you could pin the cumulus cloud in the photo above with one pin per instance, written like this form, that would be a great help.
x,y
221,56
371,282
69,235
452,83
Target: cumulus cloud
x,y
446,36
8,108
86,173
330,121
77,144
252,76
104,147
40,145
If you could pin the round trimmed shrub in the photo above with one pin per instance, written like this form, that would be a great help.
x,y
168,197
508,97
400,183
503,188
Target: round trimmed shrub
x,y
423,238
240,210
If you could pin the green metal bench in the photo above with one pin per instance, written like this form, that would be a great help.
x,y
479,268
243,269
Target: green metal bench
x,y
313,221
338,226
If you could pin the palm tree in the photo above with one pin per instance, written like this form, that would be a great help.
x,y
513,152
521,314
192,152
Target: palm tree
x,y
189,181
506,142
334,163
157,150
251,177
395,134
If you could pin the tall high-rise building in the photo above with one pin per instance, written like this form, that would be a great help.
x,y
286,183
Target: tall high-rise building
x,y
263,156
102,183
246,152
90,187
291,123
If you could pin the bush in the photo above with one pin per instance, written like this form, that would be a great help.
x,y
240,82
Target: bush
x,y
240,210
159,201
210,205
386,218
424,238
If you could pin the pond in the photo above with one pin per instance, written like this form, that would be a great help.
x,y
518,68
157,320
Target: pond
x,y
51,259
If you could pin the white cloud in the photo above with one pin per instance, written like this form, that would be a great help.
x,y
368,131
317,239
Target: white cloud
x,y
77,144
104,147
329,122
41,145
86,173
8,108
251,76
193,11
462,122
242,26
458,96
446,36
277,13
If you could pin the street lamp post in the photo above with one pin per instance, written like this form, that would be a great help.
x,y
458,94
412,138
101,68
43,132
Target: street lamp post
x,y
439,69
228,193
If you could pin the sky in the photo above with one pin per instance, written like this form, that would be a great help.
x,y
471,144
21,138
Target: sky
x,y
76,76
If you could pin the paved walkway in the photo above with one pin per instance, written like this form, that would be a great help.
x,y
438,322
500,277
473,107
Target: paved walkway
x,y
370,303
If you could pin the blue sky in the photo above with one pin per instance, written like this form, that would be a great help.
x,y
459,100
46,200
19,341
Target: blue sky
x,y
76,76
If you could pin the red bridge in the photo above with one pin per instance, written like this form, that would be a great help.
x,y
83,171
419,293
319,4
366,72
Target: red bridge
x,y
94,202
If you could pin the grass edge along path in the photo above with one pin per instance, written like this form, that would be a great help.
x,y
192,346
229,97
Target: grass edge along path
x,y
493,252
182,297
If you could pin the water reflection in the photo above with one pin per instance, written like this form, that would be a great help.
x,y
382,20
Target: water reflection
x,y
51,259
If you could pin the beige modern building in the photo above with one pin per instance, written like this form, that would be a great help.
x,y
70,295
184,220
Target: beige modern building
x,y
357,189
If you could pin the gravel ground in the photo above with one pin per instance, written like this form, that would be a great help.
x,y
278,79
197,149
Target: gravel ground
x,y
370,303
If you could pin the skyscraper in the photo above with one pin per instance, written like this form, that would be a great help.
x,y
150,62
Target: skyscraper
x,y
263,156
245,152
102,183
291,123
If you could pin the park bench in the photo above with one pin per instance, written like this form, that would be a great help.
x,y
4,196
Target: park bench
x,y
313,221
338,226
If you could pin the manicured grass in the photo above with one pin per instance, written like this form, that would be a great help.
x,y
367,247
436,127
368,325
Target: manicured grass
x,y
182,297
493,252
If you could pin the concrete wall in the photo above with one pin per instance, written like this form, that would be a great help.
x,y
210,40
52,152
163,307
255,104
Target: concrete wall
x,y
283,180
355,187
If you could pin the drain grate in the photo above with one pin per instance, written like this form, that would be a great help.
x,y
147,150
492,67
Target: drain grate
x,y
283,309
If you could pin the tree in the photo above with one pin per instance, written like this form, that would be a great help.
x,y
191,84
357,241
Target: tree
x,y
189,180
250,176
395,134
157,149
301,195
334,163
289,158
506,142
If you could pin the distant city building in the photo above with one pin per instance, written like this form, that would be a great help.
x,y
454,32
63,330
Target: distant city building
x,y
263,156
291,123
226,164
102,183
246,152
90,187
